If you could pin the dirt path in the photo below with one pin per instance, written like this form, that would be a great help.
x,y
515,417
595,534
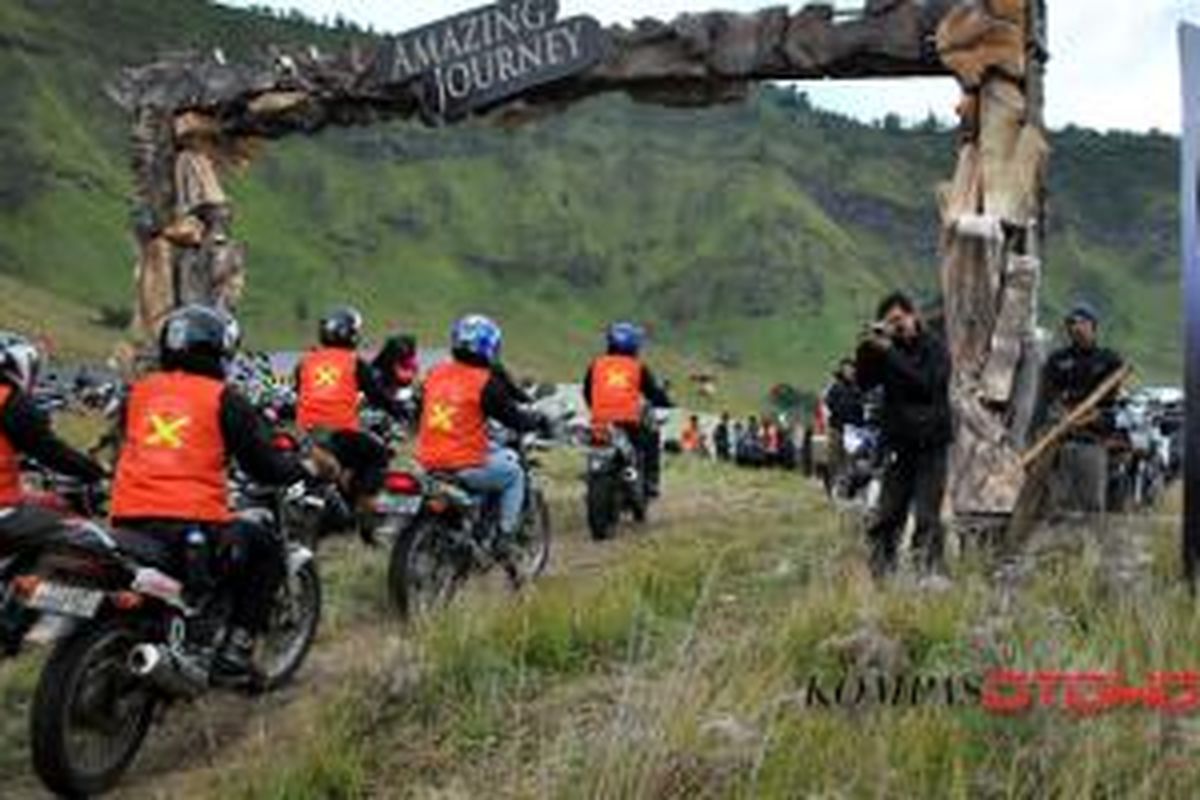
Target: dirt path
x,y
195,744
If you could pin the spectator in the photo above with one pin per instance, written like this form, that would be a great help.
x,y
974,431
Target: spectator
x,y
913,368
721,438
692,440
844,406
1080,478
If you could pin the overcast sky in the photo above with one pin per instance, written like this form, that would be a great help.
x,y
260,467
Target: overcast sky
x,y
1115,62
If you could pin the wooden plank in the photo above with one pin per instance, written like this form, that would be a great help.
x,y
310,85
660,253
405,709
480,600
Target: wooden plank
x,y
1013,327
1079,415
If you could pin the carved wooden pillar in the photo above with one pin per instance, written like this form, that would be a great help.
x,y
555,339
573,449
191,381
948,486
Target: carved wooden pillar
x,y
186,254
991,216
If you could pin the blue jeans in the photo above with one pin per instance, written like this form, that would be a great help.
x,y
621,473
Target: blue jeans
x,y
502,475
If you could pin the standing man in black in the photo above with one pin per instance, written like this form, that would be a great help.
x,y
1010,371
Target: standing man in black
x,y
1080,478
721,438
844,402
913,368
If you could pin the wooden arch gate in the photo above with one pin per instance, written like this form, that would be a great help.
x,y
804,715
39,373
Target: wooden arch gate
x,y
517,60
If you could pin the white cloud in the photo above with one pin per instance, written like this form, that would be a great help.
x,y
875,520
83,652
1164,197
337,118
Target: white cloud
x,y
1115,62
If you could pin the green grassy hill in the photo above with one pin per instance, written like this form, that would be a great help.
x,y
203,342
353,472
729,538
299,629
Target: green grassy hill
x,y
753,237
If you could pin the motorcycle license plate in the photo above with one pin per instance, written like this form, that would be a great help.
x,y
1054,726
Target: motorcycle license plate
x,y
397,504
71,601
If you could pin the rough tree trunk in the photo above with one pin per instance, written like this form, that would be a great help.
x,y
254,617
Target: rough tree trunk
x,y
991,269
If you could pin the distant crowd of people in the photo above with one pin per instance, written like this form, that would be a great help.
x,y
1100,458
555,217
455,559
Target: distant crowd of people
x,y
753,442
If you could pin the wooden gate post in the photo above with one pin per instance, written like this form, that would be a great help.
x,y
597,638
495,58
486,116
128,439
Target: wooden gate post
x,y
991,265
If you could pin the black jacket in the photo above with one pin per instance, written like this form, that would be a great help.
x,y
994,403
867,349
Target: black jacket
x,y
1070,375
915,377
28,429
248,439
845,403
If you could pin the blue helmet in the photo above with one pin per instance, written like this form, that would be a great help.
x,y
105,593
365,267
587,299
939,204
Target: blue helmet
x,y
624,338
477,335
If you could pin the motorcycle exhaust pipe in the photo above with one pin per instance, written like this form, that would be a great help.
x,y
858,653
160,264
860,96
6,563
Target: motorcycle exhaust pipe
x,y
167,672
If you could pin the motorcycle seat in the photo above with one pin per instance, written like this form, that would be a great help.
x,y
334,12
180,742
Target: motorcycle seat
x,y
452,485
146,549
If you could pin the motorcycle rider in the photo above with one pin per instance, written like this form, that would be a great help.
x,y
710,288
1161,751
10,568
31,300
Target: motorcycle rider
x,y
397,366
180,427
458,398
614,387
26,431
329,380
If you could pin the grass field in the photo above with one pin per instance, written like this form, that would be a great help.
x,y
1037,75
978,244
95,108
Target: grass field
x,y
674,664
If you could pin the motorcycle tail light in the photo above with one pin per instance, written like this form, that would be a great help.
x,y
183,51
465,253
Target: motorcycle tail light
x,y
126,601
404,483
438,505
284,443
24,586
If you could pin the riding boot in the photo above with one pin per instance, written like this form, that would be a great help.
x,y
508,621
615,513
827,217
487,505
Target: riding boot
x,y
366,519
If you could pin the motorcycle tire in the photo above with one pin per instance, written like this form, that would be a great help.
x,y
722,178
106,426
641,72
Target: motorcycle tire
x,y
61,704
601,506
424,541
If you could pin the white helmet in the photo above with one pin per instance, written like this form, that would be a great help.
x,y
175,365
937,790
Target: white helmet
x,y
19,360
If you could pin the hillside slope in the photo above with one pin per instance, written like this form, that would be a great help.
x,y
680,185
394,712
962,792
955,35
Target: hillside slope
x,y
756,236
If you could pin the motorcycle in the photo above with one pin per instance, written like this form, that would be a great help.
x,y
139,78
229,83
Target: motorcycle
x,y
133,638
1140,456
859,479
64,496
616,483
451,533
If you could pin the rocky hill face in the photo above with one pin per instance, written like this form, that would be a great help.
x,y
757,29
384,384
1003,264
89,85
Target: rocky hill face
x,y
751,238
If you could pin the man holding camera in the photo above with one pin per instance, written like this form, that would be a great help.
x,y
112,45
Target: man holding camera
x,y
912,366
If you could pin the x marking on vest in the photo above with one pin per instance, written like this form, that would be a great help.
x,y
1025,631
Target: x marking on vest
x,y
328,376
618,380
167,432
441,417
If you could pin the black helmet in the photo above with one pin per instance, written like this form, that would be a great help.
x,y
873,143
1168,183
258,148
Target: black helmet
x,y
198,339
341,327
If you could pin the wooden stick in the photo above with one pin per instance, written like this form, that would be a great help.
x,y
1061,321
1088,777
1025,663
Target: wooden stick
x,y
1079,415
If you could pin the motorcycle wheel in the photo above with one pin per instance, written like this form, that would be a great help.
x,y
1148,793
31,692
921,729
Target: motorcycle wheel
x,y
601,506
295,617
533,541
639,503
424,571
90,715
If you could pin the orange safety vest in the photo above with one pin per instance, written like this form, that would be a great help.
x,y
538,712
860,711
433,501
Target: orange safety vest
x,y
173,461
328,395
616,390
453,431
10,461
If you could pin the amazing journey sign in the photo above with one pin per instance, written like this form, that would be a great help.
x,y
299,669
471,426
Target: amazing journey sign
x,y
479,58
